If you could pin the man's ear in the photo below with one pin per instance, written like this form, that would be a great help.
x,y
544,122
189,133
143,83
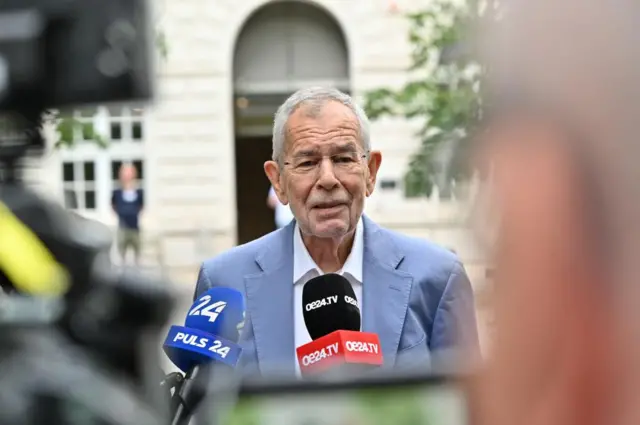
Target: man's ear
x,y
272,170
375,159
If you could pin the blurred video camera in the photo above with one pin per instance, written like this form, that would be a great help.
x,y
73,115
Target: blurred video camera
x,y
61,53
78,339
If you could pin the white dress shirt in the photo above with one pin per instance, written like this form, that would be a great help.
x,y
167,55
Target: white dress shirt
x,y
304,268
283,214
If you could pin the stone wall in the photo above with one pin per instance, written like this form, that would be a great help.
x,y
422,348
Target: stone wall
x,y
191,165
189,153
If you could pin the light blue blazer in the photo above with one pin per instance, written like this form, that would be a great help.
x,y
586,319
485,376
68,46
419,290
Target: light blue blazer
x,y
416,297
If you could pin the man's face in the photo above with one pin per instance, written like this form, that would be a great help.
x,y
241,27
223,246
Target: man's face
x,y
325,173
127,173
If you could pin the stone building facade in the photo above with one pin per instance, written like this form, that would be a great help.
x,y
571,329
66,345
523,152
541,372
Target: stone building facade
x,y
201,144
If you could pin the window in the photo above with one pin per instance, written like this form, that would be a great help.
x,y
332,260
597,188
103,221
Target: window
x,y
89,172
126,124
84,130
113,123
79,184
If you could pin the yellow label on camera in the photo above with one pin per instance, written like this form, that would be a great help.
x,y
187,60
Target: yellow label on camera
x,y
26,261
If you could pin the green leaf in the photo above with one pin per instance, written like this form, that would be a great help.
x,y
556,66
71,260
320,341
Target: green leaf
x,y
444,93
161,44
68,127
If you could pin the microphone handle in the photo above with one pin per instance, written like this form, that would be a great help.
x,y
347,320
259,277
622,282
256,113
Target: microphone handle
x,y
172,380
174,400
188,394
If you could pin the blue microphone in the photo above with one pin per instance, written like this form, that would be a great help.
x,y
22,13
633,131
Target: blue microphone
x,y
212,329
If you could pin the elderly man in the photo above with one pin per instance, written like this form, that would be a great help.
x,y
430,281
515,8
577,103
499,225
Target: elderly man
x,y
413,294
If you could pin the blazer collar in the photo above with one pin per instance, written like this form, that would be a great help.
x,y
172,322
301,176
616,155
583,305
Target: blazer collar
x,y
269,297
278,247
386,289
269,293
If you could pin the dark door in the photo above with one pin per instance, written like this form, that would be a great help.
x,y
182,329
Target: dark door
x,y
255,218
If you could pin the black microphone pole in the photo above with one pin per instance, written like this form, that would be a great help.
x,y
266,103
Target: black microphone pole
x,y
171,382
189,393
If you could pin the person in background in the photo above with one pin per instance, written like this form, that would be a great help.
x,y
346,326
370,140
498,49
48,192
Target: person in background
x,y
283,214
128,202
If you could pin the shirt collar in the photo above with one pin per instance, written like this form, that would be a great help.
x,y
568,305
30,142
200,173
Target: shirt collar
x,y
303,263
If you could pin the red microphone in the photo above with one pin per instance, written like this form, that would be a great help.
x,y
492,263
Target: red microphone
x,y
332,317
337,349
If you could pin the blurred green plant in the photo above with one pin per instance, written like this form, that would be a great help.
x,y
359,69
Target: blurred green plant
x,y
161,44
406,407
247,412
68,127
443,94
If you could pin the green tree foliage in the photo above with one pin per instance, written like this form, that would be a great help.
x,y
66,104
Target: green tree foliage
x,y
406,407
442,93
161,44
247,412
67,127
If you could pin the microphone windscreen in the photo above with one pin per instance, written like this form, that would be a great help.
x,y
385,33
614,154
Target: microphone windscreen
x,y
329,304
218,311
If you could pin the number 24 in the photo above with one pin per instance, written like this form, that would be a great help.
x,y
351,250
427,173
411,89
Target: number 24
x,y
217,308
219,349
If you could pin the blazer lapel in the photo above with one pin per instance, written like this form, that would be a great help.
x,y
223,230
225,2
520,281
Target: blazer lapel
x,y
270,302
386,290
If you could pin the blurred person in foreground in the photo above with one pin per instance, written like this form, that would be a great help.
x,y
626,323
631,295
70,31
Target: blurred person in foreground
x,y
559,144
415,295
128,202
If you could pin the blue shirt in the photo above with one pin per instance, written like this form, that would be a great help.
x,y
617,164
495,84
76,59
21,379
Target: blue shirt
x,y
128,204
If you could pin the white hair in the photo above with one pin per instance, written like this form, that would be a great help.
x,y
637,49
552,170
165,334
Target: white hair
x,y
315,97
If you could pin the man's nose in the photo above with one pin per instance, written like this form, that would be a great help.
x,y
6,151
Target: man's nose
x,y
327,178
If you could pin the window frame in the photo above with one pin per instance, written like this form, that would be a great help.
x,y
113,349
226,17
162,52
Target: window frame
x,y
79,184
125,149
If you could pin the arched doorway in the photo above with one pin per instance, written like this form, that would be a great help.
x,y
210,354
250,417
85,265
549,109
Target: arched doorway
x,y
282,47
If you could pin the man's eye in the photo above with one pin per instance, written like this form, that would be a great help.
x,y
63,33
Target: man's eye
x,y
343,159
306,164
